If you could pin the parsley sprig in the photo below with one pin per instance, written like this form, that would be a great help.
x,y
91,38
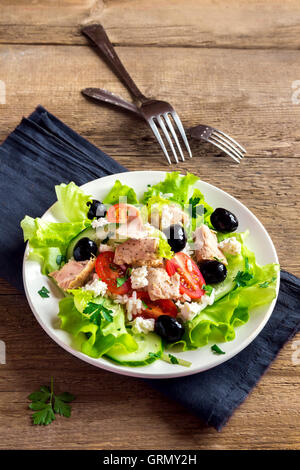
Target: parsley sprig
x,y
96,312
196,210
44,292
267,283
207,289
215,348
46,404
242,278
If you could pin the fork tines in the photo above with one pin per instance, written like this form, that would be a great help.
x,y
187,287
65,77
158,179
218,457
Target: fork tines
x,y
165,124
228,145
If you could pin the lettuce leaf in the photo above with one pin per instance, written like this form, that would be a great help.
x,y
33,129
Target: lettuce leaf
x,y
233,303
42,233
49,240
73,201
179,188
196,203
118,191
91,339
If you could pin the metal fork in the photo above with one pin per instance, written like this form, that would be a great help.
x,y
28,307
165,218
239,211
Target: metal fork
x,y
219,139
156,113
201,132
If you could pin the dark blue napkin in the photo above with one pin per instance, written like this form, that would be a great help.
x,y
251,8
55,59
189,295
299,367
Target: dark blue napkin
x,y
42,152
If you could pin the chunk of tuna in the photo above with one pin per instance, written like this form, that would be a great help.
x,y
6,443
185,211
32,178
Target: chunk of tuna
x,y
161,285
137,252
206,245
74,274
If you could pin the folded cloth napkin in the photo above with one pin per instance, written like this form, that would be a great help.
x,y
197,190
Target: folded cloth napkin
x,y
42,152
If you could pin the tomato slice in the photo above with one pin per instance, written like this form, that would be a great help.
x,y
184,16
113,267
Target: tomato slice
x,y
121,213
157,307
191,279
108,272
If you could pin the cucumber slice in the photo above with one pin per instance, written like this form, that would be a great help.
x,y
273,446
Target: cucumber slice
x,y
87,232
150,343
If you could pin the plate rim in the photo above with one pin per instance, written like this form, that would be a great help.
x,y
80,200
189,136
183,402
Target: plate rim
x,y
119,369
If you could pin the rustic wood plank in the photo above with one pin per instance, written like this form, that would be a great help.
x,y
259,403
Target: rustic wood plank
x,y
103,399
230,24
241,92
255,113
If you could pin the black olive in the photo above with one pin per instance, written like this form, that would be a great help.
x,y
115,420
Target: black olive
x,y
169,328
84,249
224,220
176,237
97,209
213,271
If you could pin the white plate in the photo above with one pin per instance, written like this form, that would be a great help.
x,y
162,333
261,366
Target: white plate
x,y
45,310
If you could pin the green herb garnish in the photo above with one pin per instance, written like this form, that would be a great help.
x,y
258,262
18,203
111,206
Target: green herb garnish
x,y
45,404
44,292
173,359
247,266
94,312
154,355
216,349
267,283
207,289
144,304
121,281
242,278
196,210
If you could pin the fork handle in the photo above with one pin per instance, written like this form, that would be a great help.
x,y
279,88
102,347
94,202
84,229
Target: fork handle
x,y
96,33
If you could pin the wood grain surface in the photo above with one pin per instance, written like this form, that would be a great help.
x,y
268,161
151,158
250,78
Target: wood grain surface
x,y
228,64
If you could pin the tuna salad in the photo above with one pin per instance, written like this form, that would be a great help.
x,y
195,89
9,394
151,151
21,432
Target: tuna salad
x,y
145,278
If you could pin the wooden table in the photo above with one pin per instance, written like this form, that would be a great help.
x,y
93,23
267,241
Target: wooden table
x,y
229,64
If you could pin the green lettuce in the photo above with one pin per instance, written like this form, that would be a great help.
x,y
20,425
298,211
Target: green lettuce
x,y
199,210
91,338
73,201
48,241
234,302
118,191
179,188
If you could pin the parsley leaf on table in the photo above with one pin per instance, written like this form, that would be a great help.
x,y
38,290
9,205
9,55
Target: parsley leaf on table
x,y
45,404
44,292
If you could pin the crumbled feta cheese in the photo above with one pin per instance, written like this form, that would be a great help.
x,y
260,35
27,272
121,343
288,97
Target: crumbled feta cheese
x,y
231,246
103,248
97,287
101,227
139,277
143,325
188,310
101,222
